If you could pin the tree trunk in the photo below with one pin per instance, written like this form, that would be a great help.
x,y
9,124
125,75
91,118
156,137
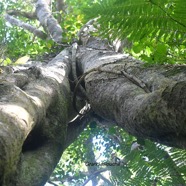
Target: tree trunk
x,y
146,101
36,107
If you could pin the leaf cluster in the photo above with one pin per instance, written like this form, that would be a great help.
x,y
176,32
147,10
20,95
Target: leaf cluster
x,y
158,28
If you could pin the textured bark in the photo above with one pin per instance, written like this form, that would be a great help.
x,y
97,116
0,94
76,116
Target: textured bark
x,y
34,111
159,115
48,22
44,15
36,106
25,26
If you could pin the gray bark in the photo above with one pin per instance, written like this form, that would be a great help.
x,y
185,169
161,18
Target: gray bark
x,y
35,103
25,26
48,22
159,115
44,15
36,107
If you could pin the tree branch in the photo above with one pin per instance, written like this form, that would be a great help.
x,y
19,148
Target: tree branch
x,y
47,20
29,15
26,26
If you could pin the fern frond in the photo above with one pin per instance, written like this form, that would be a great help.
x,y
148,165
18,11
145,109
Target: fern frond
x,y
136,19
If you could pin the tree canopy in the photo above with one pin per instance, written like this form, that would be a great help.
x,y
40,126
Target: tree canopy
x,y
134,133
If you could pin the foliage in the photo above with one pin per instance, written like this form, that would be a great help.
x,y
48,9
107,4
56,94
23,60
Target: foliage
x,y
150,163
157,28
19,43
